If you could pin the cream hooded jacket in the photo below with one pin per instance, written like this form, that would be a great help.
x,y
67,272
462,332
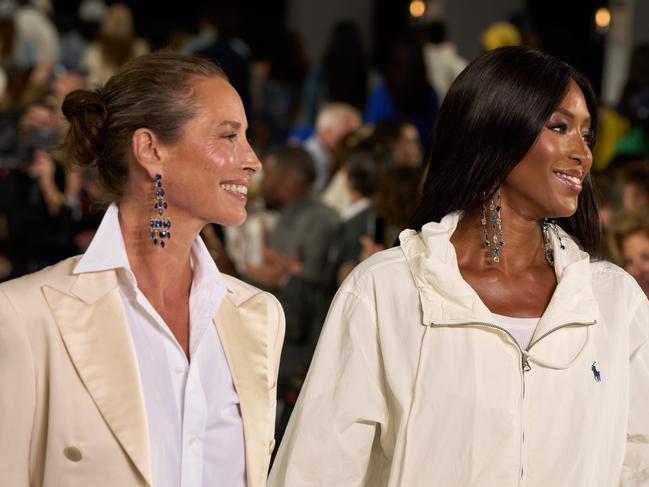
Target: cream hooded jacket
x,y
412,385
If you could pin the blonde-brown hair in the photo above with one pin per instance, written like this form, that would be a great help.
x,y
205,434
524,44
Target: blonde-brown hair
x,y
153,91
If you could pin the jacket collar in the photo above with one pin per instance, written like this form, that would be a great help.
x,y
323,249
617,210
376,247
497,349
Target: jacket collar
x,y
448,299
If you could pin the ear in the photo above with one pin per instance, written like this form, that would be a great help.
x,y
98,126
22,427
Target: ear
x,y
148,151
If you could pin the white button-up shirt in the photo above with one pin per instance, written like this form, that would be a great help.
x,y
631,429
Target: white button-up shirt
x,y
195,426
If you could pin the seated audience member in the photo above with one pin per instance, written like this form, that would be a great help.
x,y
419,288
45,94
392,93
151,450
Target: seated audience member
x,y
631,242
403,139
334,122
634,179
361,171
296,250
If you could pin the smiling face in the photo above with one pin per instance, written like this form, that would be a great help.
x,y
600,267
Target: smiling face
x,y
547,182
207,173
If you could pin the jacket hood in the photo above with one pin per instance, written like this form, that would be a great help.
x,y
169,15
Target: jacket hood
x,y
447,299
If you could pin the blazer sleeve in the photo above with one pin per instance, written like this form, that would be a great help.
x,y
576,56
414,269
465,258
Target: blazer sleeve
x,y
635,470
333,435
17,397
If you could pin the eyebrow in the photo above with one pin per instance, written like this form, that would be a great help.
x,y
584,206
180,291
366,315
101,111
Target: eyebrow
x,y
232,123
570,115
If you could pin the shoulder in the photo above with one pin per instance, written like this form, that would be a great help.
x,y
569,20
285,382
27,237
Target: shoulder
x,y
59,275
239,292
602,270
611,282
386,271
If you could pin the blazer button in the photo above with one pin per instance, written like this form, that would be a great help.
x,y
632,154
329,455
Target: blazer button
x,y
72,453
271,446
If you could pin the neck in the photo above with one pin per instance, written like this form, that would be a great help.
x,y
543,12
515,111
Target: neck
x,y
162,274
523,249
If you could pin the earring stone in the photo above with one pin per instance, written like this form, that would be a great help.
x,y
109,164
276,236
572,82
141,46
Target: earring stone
x,y
159,225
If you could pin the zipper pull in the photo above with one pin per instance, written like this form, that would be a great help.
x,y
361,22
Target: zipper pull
x,y
525,364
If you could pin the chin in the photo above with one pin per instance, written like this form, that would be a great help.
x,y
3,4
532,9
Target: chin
x,y
232,220
564,209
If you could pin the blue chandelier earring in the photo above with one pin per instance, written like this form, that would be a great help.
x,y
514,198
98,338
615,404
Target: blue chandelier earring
x,y
159,225
494,220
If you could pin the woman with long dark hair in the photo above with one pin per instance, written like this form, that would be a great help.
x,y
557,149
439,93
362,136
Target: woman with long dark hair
x,y
490,348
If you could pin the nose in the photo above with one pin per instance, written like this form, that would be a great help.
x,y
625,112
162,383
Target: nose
x,y
250,160
580,152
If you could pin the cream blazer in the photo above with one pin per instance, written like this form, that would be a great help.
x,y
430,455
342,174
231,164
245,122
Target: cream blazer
x,y
72,411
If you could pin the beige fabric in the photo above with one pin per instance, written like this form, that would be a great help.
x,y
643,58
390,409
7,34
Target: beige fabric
x,y
71,406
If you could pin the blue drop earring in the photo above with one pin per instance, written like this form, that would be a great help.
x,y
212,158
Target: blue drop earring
x,y
160,227
494,219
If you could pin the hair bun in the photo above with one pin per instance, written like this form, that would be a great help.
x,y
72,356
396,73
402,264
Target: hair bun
x,y
81,103
87,113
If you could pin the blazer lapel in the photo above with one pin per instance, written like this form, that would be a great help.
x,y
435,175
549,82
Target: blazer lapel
x,y
95,331
243,333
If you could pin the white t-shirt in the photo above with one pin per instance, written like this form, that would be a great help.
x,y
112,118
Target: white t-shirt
x,y
521,329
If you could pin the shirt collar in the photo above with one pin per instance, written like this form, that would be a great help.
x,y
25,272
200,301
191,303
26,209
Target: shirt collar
x,y
355,209
108,252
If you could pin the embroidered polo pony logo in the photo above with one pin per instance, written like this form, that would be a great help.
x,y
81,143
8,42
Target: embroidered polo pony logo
x,y
596,374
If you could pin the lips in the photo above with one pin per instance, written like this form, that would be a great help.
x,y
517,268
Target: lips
x,y
572,179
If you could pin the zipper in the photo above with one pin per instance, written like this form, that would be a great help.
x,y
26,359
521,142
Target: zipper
x,y
525,367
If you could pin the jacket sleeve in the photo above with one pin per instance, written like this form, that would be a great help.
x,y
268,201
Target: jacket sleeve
x,y
635,470
17,397
333,436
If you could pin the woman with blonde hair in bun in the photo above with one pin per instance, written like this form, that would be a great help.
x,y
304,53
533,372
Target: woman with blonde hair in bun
x,y
139,363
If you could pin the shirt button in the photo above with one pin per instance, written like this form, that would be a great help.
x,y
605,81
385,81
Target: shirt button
x,y
72,453
180,370
192,439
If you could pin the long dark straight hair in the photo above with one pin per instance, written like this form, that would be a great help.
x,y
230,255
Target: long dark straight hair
x,y
490,118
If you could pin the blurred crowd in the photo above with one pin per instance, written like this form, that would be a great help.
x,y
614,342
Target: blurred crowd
x,y
342,143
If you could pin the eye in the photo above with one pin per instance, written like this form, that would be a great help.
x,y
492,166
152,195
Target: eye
x,y
229,137
558,127
588,136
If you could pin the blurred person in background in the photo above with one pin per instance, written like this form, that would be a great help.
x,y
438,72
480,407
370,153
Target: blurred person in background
x,y
362,169
403,140
405,92
634,181
142,359
631,246
80,31
117,44
37,37
343,75
634,105
228,50
335,121
443,63
281,86
500,34
295,250
466,355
